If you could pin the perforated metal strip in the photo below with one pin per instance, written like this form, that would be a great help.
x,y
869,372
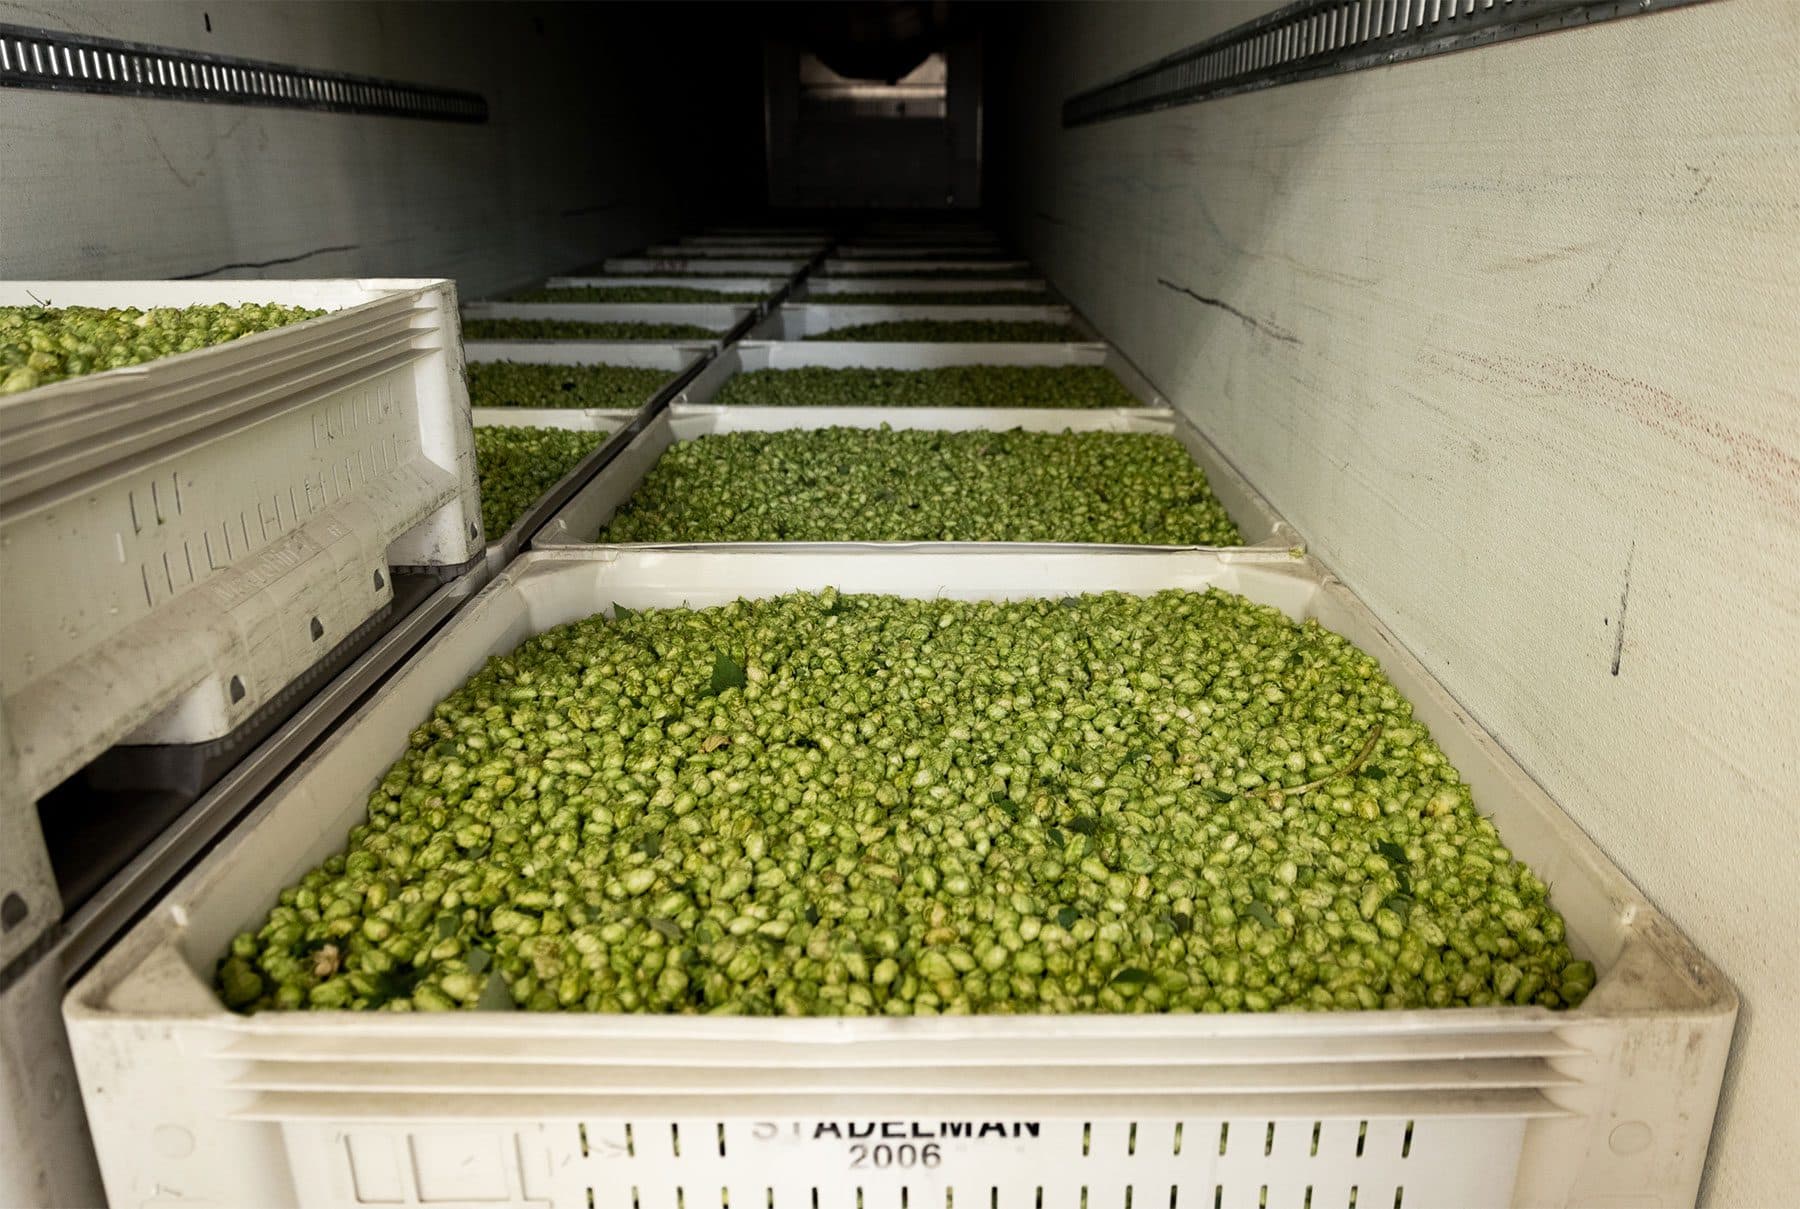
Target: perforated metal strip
x,y
65,62
1314,38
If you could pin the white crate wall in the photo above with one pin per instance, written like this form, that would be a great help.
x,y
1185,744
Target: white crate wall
x,y
718,317
186,537
766,286
822,289
747,266
819,318
1147,1162
774,248
836,266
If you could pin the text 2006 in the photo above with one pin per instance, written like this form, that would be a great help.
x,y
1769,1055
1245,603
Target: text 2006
x,y
905,1154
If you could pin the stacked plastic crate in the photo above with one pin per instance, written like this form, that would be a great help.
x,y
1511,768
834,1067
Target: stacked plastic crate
x,y
1491,1105
207,558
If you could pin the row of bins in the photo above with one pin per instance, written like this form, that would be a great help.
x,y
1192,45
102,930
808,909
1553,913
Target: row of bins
x,y
1492,1105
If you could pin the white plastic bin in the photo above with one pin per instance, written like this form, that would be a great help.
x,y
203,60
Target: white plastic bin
x,y
590,508
679,357
185,538
839,266
768,287
924,228
759,233
717,317
746,266
767,247
750,355
1610,1103
958,244
680,360
919,249
821,289
723,237
804,320
503,548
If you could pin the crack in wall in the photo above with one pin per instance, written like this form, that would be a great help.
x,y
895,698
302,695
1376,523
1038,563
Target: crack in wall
x,y
1624,596
264,264
1270,330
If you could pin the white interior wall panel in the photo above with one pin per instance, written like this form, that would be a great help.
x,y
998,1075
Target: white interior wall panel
x,y
571,165
1513,336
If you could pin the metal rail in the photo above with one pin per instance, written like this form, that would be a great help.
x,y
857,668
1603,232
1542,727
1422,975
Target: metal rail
x,y
105,916
1313,38
58,61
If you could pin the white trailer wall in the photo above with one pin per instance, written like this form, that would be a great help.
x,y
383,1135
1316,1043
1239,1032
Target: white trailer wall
x,y
1514,337
595,144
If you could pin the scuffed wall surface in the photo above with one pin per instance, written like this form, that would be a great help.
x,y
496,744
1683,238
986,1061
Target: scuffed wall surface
x,y
1513,337
589,150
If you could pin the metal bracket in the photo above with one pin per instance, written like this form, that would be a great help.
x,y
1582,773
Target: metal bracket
x,y
1313,38
65,62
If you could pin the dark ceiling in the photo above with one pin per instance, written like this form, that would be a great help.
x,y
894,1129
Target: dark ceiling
x,y
869,39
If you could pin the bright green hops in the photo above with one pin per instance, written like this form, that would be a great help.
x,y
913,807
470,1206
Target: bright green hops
x,y
517,465
936,298
852,805
570,329
958,274
41,344
957,330
631,294
1083,386
516,384
879,484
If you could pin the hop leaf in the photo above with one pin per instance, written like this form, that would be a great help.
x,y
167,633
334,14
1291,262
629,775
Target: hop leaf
x,y
495,997
727,673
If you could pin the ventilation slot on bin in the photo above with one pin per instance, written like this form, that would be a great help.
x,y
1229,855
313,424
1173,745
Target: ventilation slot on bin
x,y
594,1164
